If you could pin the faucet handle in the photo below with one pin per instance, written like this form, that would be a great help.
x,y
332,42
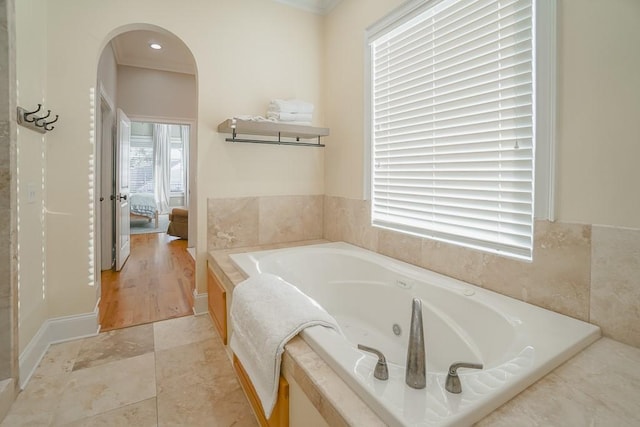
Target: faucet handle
x,y
380,372
452,384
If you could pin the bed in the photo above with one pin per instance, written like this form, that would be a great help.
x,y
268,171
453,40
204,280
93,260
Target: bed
x,y
143,205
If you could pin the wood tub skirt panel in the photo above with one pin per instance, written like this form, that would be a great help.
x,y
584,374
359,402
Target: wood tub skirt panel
x,y
280,414
217,299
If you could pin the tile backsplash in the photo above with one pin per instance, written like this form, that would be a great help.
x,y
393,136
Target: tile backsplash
x,y
251,221
588,272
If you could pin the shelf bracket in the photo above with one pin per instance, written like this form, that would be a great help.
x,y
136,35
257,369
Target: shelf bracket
x,y
234,138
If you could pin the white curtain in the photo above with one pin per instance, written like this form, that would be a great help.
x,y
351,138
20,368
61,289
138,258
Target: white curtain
x,y
184,133
162,165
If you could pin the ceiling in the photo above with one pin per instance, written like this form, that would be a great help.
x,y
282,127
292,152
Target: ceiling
x,y
132,48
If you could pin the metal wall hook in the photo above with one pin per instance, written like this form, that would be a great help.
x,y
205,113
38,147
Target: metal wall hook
x,y
38,124
40,121
26,114
46,125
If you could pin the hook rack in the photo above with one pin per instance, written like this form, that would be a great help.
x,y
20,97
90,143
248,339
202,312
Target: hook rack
x,y
39,124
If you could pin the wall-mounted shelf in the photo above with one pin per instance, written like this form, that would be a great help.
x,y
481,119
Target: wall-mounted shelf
x,y
273,129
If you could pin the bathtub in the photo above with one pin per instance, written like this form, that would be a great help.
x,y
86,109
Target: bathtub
x,y
370,296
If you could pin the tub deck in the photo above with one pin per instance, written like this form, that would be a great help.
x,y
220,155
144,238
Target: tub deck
x,y
566,396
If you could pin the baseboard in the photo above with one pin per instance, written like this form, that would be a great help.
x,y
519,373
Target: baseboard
x,y
200,303
7,396
54,331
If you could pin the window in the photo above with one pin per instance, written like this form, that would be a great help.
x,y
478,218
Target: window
x,y
452,110
141,163
142,158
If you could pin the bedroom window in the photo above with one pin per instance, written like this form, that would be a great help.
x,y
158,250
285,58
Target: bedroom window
x,y
453,129
145,163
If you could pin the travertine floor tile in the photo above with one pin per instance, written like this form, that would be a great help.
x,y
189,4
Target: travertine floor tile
x,y
99,389
36,404
218,404
115,345
141,414
58,359
181,331
193,364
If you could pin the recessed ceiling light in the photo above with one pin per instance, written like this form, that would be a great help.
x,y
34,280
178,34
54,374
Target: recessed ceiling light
x,y
155,46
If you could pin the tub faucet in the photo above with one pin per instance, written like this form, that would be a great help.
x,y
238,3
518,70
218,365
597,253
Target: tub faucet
x,y
416,372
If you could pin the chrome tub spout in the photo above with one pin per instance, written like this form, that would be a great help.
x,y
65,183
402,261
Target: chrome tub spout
x,y
416,372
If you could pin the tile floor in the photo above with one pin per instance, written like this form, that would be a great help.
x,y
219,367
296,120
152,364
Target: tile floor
x,y
169,373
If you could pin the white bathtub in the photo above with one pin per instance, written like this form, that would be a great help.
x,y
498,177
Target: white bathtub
x,y
369,293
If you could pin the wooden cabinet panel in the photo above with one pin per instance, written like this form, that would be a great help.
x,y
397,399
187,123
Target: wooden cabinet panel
x,y
280,415
217,296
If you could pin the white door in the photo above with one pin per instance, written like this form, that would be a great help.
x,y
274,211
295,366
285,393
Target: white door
x,y
123,231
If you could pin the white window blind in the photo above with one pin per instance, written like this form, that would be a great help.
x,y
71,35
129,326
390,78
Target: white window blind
x,y
452,124
141,164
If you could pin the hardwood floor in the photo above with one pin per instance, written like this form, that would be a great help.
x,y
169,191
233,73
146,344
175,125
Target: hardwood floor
x,y
156,283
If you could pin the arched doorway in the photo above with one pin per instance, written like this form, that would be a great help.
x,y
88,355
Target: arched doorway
x,y
150,75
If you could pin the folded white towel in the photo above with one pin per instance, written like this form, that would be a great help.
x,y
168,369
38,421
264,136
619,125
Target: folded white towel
x,y
250,118
266,312
290,106
290,117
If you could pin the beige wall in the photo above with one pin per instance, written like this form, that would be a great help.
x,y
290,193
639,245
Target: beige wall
x,y
599,106
108,73
246,53
158,94
31,65
344,100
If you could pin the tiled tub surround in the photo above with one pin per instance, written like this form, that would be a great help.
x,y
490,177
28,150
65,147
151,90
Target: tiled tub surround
x,y
588,272
600,386
250,221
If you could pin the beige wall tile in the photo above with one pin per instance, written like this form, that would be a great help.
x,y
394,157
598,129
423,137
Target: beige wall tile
x,y
615,283
349,220
280,219
289,218
400,246
559,276
313,217
232,222
450,260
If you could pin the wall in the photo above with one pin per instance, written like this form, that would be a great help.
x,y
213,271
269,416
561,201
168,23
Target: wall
x,y
154,93
31,65
587,264
246,53
599,106
8,232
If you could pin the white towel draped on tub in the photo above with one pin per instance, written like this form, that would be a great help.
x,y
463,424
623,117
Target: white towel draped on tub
x,y
266,312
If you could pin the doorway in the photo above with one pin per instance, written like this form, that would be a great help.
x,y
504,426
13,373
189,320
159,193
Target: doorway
x,y
158,175
157,91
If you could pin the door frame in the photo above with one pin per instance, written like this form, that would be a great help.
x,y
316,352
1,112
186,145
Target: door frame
x,y
104,183
122,222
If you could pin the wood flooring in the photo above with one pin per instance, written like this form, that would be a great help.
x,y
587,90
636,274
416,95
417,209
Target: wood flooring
x,y
156,283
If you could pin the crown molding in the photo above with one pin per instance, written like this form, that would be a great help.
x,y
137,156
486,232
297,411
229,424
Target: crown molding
x,y
319,7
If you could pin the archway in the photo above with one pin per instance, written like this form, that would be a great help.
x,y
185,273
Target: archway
x,y
149,86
